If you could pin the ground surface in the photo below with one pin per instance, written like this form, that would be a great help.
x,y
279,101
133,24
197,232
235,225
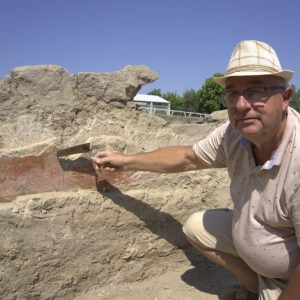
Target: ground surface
x,y
118,236
184,283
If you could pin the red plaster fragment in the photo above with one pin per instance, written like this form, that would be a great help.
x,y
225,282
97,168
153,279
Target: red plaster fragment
x,y
21,175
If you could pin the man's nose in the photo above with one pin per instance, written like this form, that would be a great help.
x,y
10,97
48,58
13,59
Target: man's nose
x,y
242,103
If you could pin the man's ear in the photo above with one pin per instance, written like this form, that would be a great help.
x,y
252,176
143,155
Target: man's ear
x,y
288,93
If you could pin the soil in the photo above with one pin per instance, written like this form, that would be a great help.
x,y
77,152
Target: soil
x,y
65,238
183,283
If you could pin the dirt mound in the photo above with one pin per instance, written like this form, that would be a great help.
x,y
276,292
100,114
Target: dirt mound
x,y
65,230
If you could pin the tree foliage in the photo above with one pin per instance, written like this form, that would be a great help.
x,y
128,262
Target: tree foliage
x,y
208,98
190,101
155,92
295,101
175,100
209,95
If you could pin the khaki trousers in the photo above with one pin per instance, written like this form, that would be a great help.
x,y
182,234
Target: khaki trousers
x,y
212,229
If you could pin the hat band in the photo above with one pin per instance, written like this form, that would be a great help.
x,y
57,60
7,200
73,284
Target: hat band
x,y
257,68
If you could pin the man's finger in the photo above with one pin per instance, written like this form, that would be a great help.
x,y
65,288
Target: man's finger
x,y
102,154
99,160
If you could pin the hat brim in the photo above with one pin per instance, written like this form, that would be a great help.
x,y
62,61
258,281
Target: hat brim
x,y
285,74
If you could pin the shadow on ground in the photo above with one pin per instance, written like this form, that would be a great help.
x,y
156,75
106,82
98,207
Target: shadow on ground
x,y
209,278
205,276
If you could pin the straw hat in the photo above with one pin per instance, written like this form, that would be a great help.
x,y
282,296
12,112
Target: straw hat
x,y
253,58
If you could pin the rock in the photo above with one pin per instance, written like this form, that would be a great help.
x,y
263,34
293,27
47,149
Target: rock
x,y
66,229
220,115
5,89
115,87
45,86
46,102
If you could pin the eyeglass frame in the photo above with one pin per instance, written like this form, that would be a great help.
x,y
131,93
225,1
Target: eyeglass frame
x,y
267,90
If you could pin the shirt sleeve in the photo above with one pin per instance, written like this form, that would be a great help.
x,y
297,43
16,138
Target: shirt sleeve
x,y
211,150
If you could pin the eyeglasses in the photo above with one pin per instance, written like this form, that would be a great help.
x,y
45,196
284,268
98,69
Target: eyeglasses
x,y
254,95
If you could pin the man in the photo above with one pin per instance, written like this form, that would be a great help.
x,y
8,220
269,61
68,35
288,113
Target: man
x,y
259,240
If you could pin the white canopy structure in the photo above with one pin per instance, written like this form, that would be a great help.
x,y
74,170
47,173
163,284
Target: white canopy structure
x,y
153,104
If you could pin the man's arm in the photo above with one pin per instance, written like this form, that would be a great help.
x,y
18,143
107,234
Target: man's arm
x,y
292,291
165,160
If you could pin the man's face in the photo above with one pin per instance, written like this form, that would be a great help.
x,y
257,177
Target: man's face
x,y
257,120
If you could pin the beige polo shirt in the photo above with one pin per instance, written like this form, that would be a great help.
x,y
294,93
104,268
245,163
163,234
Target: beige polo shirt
x,y
266,214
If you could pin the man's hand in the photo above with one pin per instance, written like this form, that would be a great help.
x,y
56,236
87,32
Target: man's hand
x,y
164,160
110,161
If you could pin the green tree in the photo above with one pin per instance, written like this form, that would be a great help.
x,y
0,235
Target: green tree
x,y
209,95
295,101
155,92
190,101
175,100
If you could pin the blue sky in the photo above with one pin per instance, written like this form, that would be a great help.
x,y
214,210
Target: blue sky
x,y
185,41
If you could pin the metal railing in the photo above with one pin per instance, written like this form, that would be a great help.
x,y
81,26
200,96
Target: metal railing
x,y
171,112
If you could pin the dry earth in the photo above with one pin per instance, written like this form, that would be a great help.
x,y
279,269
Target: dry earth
x,y
68,233
203,282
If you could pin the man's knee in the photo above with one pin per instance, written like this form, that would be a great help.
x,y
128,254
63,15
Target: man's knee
x,y
211,229
194,230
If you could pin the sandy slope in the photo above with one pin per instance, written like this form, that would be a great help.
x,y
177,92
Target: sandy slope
x,y
184,283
